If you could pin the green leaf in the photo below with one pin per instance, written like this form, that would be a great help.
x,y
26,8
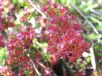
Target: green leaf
x,y
92,36
3,55
99,26
73,1
88,59
27,72
98,47
98,54
24,4
46,57
15,1
99,23
62,1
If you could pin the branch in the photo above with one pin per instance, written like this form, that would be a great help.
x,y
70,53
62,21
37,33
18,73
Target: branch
x,y
38,10
38,73
41,65
96,12
75,7
36,70
93,62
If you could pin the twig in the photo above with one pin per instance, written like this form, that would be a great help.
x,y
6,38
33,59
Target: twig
x,y
41,65
38,73
36,70
38,10
93,62
75,7
96,12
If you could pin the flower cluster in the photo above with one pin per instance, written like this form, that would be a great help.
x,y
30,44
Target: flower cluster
x,y
17,43
22,40
18,47
6,22
64,34
1,41
60,28
5,19
5,71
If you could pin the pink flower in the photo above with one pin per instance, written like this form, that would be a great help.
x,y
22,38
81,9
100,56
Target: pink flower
x,y
1,41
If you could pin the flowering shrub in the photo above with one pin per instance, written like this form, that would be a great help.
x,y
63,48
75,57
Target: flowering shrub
x,y
64,33
26,55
